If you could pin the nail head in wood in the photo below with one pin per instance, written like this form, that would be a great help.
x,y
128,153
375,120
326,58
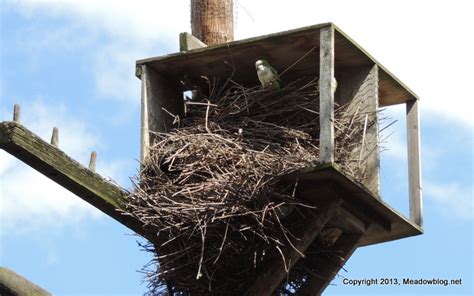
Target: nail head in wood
x,y
92,161
16,113
54,137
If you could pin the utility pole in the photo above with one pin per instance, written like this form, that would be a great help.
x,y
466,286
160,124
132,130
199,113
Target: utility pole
x,y
212,21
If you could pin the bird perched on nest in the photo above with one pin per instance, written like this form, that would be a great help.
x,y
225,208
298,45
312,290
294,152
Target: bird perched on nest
x,y
267,75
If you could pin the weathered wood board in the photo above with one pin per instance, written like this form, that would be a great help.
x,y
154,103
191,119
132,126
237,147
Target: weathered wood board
x,y
358,89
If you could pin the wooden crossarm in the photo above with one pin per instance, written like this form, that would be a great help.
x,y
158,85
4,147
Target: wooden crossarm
x,y
59,167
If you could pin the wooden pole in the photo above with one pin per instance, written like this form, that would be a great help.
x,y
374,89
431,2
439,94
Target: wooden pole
x,y
212,21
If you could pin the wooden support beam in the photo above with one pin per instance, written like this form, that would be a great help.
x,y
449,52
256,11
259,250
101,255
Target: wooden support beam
x,y
414,163
59,167
189,42
326,95
272,274
340,252
14,284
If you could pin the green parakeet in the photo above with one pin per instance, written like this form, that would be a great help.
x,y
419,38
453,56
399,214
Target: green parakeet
x,y
267,75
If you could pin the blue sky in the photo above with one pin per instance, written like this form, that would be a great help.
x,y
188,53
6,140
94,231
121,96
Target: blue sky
x,y
71,65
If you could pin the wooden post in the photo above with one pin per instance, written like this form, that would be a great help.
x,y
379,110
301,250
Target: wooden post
x,y
414,163
55,137
92,161
272,275
16,113
212,21
326,95
144,129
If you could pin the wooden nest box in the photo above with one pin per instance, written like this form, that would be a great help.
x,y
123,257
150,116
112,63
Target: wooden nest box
x,y
323,51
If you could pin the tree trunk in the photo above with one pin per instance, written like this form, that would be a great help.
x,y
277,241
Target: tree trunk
x,y
212,21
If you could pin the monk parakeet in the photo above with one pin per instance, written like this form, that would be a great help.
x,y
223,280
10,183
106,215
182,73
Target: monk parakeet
x,y
267,75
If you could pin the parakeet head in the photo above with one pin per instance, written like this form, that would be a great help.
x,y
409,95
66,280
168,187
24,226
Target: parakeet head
x,y
261,63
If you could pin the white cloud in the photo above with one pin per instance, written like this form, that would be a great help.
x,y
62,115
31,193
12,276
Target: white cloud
x,y
452,199
28,199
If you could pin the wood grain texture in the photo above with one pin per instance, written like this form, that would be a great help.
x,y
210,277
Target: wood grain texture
x,y
358,88
13,284
326,95
315,184
189,42
162,106
272,275
414,163
212,21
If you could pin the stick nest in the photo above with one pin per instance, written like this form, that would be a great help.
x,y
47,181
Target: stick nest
x,y
210,188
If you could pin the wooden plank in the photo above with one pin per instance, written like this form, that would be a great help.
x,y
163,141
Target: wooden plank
x,y
273,274
56,165
14,284
414,163
342,249
326,95
358,88
189,42
387,223
144,128
162,106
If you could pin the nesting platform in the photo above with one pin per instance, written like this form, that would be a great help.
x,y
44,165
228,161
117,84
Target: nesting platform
x,y
326,52
360,79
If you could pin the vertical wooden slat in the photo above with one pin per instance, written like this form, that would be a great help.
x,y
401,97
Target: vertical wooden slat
x,y
326,95
371,149
414,163
358,90
144,129
162,106
273,273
